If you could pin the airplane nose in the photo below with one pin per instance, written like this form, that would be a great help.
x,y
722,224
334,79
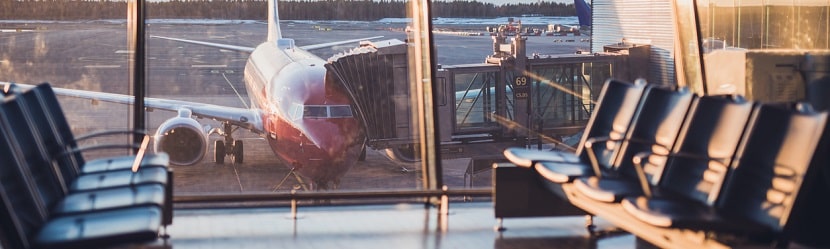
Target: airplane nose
x,y
333,138
332,148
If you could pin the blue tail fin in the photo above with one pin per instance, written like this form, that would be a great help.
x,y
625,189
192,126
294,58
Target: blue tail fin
x,y
583,12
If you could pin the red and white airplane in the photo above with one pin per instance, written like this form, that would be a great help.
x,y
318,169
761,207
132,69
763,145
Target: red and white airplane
x,y
296,105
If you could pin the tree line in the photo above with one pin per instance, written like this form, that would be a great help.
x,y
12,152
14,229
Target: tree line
x,y
366,10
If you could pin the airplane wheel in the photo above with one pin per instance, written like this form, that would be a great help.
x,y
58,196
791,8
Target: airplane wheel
x,y
219,152
237,151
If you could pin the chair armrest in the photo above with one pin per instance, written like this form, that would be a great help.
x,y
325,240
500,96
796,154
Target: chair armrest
x,y
642,158
589,144
108,133
638,161
142,150
592,154
655,147
594,140
719,160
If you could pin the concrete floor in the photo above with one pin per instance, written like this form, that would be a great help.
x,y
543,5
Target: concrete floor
x,y
469,225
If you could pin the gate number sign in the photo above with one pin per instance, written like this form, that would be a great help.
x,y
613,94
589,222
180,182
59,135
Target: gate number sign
x,y
521,88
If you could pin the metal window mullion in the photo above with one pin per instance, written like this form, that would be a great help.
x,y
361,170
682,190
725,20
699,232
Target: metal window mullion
x,y
136,43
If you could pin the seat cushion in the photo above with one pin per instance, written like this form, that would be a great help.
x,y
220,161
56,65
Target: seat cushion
x,y
146,194
559,172
109,179
525,158
677,213
101,229
607,189
124,162
665,212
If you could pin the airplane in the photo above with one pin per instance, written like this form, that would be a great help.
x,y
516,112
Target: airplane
x,y
296,105
583,13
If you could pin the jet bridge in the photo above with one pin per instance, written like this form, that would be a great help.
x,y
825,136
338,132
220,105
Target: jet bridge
x,y
375,75
510,100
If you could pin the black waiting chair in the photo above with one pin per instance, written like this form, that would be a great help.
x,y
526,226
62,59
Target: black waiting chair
x,y
712,130
54,122
49,121
66,192
71,177
614,111
25,222
752,196
656,123
818,88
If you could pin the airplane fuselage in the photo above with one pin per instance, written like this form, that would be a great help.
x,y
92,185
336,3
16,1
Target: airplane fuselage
x,y
306,115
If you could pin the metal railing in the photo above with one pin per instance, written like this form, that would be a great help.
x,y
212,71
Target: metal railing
x,y
294,197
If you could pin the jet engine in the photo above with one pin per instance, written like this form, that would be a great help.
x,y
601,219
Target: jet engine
x,y
182,138
405,154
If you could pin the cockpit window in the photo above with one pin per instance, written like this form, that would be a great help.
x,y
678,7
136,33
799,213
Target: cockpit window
x,y
342,111
327,111
315,112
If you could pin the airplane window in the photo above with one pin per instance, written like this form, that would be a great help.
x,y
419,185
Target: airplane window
x,y
315,112
340,111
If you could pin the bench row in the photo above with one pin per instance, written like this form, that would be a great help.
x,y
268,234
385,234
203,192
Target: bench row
x,y
51,197
666,162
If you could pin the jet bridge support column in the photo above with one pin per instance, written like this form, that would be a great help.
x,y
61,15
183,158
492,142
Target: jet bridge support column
x,y
521,87
512,59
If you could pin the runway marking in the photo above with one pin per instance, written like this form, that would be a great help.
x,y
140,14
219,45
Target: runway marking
x,y
15,30
123,52
102,66
238,180
234,90
203,66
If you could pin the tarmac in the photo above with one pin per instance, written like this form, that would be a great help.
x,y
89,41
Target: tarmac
x,y
93,56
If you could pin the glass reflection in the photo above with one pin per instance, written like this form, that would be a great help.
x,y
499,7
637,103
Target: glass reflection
x,y
761,48
765,24
211,91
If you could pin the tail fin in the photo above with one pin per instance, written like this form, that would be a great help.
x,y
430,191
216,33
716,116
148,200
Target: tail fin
x,y
583,12
274,32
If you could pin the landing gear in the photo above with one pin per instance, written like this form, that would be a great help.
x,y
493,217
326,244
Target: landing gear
x,y
237,151
219,152
228,146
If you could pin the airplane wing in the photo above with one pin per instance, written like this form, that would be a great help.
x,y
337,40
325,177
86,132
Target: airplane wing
x,y
331,44
250,49
209,44
242,117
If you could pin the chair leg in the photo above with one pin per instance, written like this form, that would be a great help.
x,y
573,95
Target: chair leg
x,y
499,225
589,225
605,233
164,235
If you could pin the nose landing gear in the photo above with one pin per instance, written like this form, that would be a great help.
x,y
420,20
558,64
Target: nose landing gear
x,y
228,146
